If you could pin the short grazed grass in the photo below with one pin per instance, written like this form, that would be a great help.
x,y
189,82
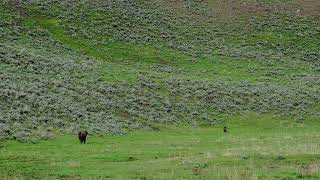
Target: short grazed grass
x,y
257,146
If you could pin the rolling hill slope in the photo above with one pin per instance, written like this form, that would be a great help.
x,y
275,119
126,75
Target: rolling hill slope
x,y
113,66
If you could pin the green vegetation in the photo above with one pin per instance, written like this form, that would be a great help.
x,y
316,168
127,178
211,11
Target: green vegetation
x,y
256,146
153,82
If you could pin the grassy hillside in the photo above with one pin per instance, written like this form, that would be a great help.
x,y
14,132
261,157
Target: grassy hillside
x,y
113,66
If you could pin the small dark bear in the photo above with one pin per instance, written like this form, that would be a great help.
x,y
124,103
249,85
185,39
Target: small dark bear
x,y
82,136
225,129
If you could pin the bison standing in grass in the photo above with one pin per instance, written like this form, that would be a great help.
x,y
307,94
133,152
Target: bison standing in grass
x,y
82,136
225,129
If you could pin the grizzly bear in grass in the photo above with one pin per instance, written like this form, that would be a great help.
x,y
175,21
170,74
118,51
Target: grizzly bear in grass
x,y
82,136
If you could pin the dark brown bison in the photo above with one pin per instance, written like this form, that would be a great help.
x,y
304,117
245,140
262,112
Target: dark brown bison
x,y
225,129
82,136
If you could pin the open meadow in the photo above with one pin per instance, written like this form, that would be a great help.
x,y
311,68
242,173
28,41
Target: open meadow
x,y
256,147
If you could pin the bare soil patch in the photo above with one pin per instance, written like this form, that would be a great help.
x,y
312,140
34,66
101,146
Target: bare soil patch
x,y
253,7
308,7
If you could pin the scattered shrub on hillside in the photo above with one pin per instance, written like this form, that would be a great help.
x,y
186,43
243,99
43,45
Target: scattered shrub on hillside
x,y
44,84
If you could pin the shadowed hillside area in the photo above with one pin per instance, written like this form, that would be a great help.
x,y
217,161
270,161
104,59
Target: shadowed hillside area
x,y
138,67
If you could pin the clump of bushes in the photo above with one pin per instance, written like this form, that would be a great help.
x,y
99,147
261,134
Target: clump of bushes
x,y
227,96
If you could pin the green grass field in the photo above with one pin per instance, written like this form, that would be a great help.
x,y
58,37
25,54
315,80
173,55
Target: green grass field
x,y
256,147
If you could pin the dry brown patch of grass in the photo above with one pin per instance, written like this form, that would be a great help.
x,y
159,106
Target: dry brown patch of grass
x,y
236,8
252,7
310,170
